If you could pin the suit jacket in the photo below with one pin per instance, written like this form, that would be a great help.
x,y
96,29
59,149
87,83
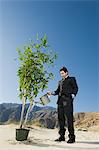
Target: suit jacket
x,y
69,86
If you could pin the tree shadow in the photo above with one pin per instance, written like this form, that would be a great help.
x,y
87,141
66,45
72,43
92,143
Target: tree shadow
x,y
35,142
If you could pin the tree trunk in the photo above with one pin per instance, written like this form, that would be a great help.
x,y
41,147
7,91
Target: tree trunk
x,y
28,111
22,112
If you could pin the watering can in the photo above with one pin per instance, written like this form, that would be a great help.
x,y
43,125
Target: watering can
x,y
44,100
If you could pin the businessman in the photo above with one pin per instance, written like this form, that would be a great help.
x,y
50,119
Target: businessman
x,y
66,91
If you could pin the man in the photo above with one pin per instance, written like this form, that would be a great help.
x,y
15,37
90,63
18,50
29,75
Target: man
x,y
66,91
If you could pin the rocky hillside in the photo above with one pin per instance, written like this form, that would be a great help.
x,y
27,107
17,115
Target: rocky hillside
x,y
47,117
88,120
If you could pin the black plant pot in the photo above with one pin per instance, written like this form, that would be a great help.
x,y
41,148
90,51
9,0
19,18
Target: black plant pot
x,y
22,134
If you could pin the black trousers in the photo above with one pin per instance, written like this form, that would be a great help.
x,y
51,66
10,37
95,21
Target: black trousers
x,y
65,113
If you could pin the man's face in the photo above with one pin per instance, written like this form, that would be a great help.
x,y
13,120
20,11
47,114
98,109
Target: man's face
x,y
63,74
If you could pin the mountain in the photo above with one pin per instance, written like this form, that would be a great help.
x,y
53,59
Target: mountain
x,y
10,112
46,116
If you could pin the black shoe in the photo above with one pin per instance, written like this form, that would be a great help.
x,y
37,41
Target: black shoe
x,y
71,141
60,139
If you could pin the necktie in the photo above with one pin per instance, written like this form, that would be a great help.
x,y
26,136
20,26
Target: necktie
x,y
61,84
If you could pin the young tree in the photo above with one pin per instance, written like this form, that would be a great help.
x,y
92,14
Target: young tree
x,y
35,59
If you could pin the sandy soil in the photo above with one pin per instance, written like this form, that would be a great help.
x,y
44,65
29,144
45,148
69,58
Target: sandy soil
x,y
43,139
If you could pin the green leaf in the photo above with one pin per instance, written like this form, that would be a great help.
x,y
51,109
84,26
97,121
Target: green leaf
x,y
34,58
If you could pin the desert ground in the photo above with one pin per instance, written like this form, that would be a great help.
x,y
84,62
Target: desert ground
x,y
43,139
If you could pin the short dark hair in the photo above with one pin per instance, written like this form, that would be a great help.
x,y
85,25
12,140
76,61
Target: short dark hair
x,y
64,69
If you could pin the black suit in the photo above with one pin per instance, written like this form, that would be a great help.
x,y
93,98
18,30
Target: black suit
x,y
65,104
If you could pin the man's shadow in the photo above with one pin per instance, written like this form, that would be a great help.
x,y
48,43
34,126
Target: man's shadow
x,y
39,143
88,142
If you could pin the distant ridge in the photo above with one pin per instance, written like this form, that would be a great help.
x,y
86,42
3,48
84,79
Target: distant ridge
x,y
47,116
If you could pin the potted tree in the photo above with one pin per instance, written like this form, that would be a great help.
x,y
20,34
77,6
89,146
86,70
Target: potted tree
x,y
35,59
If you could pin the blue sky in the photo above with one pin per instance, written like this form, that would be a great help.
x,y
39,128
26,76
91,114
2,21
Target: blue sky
x,y
73,32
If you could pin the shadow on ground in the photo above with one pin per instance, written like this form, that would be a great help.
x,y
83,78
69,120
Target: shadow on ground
x,y
44,143
88,142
